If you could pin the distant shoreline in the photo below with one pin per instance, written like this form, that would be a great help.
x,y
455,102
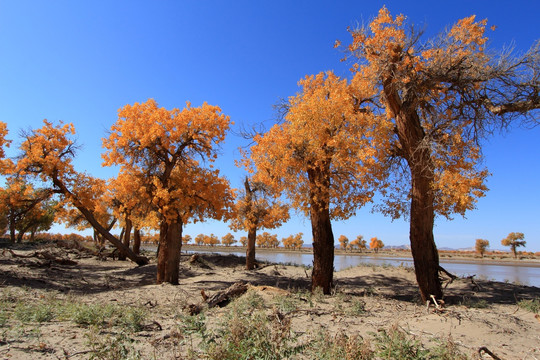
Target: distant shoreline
x,y
443,257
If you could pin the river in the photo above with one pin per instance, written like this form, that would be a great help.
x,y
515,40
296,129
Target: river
x,y
525,274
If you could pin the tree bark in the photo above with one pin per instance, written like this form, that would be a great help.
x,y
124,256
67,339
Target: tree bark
x,y
121,255
170,245
252,230
321,228
411,137
12,236
137,241
422,211
126,240
424,250
250,251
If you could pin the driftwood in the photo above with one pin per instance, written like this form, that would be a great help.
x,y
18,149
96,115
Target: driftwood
x,y
195,259
453,277
221,298
486,350
45,255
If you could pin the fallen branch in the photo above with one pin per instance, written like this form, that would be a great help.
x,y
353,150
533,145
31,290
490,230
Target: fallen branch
x,y
486,350
450,275
45,255
221,298
476,287
34,254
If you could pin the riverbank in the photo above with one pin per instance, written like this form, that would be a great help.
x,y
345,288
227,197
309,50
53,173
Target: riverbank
x,y
462,258
80,307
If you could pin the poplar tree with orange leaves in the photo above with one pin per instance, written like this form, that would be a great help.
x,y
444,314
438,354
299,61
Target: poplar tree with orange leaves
x,y
20,201
47,153
322,158
441,96
256,209
165,150
376,244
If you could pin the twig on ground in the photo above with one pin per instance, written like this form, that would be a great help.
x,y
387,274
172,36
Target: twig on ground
x,y
486,350
435,302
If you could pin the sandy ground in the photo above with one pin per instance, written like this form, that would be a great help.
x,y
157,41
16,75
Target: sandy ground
x,y
389,293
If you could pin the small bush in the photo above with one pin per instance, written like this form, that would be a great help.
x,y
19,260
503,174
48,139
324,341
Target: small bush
x,y
247,332
112,347
530,305
396,344
446,350
357,307
475,304
39,312
286,304
341,346
133,319
92,314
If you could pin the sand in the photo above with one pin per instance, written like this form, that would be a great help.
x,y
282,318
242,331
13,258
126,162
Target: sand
x,y
475,314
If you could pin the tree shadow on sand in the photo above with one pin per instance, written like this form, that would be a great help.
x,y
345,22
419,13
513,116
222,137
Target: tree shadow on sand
x,y
207,273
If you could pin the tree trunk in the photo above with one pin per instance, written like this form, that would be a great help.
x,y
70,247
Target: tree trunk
x,y
250,251
424,250
137,241
170,245
126,240
121,255
323,250
12,236
417,153
321,228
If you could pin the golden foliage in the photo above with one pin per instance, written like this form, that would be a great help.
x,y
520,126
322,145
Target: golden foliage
x,y
293,241
376,244
359,243
433,84
6,165
228,239
322,153
257,208
343,242
160,153
481,245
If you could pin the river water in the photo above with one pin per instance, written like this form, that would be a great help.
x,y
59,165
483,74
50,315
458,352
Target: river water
x,y
526,274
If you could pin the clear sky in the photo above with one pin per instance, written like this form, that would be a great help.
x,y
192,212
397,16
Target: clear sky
x,y
80,61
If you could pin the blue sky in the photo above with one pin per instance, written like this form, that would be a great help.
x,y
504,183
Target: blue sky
x,y
80,61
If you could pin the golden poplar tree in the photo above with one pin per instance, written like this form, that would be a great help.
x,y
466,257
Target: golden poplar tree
x,y
48,153
322,158
256,209
514,240
441,96
480,246
166,150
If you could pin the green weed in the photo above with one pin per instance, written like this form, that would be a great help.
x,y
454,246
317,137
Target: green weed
x,y
340,346
111,347
34,312
475,304
396,344
532,305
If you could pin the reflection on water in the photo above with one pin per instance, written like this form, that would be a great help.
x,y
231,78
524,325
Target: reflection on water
x,y
526,275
